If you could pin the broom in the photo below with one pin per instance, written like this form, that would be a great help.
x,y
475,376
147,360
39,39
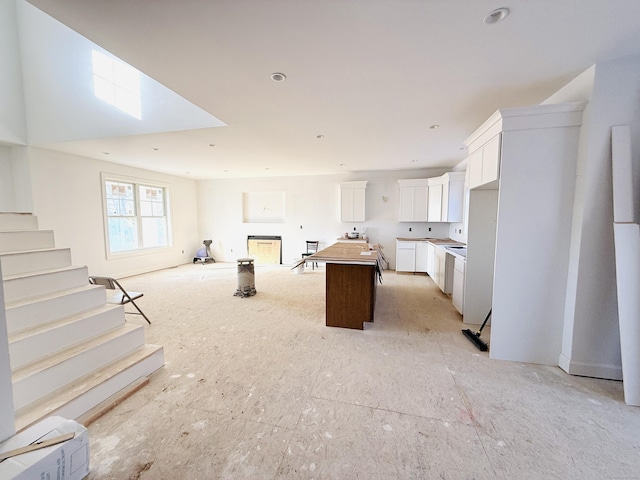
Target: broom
x,y
474,337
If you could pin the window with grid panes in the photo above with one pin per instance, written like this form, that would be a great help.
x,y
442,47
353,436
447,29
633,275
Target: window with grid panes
x,y
136,216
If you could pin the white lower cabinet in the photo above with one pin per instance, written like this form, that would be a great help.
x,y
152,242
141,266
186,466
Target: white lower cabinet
x,y
421,257
457,294
405,256
411,256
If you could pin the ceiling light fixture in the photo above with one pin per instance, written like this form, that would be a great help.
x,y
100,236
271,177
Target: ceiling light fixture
x,y
342,164
105,153
433,127
319,136
496,16
278,77
155,149
212,144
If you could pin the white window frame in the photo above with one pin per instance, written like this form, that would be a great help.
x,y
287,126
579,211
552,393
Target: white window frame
x,y
136,181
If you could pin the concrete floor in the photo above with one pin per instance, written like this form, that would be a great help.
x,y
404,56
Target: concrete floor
x,y
260,388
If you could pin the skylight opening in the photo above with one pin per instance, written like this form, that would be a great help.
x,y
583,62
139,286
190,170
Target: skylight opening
x,y
117,83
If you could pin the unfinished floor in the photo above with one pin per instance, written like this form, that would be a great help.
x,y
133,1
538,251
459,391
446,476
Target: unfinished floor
x,y
258,387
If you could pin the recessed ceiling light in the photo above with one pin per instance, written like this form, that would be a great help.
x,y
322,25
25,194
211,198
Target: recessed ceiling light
x,y
155,149
212,144
278,77
319,136
496,16
433,127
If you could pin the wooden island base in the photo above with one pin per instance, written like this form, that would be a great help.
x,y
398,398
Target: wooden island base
x,y
351,295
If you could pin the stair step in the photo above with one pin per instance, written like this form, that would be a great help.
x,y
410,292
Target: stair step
x,y
21,240
10,221
79,397
38,379
16,263
30,313
45,340
29,285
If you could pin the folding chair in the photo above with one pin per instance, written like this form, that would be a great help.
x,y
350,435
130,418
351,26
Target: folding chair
x,y
119,298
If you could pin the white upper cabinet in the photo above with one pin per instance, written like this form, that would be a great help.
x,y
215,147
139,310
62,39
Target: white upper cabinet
x,y
434,213
352,201
446,198
413,200
453,197
484,165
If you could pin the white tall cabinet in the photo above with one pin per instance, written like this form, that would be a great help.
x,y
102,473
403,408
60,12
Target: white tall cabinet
x,y
533,151
352,201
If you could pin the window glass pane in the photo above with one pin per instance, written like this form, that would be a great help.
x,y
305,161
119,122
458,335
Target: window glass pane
x,y
113,207
154,232
119,190
123,234
158,210
146,209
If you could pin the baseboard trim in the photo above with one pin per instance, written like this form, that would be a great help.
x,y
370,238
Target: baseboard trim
x,y
594,370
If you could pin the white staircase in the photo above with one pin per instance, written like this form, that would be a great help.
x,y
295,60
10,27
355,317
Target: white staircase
x,y
69,350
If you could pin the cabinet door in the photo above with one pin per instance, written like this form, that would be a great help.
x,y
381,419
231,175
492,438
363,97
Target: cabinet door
x,y
346,205
475,168
413,204
405,256
406,204
352,204
457,294
420,201
434,213
491,160
421,257
359,204
431,260
444,215
440,268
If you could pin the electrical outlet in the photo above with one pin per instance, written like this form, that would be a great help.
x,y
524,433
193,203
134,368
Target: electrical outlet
x,y
409,228
300,227
429,228
183,252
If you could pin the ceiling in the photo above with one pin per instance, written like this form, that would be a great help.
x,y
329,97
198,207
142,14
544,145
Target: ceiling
x,y
366,79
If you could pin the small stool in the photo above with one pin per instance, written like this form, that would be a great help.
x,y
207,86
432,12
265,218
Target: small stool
x,y
246,278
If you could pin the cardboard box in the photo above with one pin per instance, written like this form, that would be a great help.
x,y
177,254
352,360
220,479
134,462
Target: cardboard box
x,y
65,461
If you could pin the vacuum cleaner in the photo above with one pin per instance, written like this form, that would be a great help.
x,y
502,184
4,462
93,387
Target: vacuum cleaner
x,y
474,337
204,253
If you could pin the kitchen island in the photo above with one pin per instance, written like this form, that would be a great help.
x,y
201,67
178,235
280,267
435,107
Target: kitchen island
x,y
353,270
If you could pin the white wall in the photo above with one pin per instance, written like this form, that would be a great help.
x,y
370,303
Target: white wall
x,y
59,96
67,198
591,337
7,198
12,117
313,203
